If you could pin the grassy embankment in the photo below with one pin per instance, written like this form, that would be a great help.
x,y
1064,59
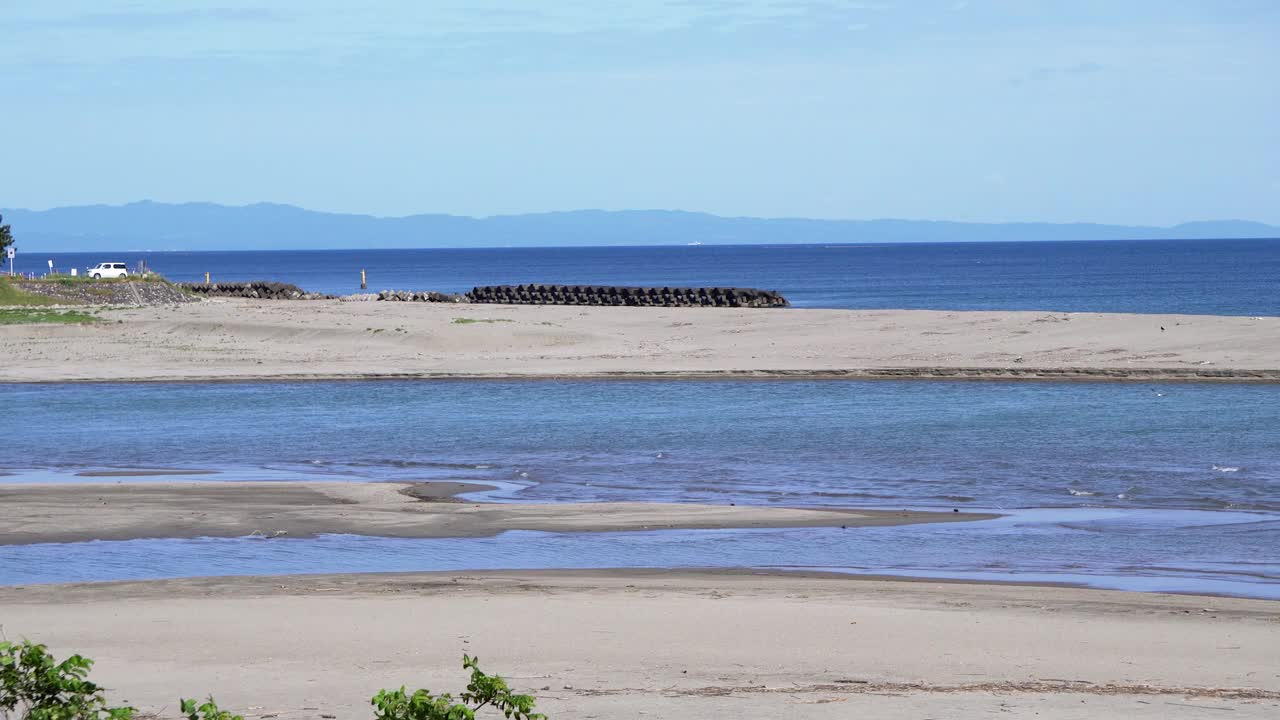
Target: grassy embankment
x,y
18,307
10,295
21,297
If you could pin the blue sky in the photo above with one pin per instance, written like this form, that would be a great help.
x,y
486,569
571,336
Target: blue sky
x,y
1118,111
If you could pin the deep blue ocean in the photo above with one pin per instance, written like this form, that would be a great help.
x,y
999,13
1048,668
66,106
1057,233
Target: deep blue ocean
x,y
1150,487
1221,277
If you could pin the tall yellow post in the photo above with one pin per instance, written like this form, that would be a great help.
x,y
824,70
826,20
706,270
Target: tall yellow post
x,y
363,283
206,278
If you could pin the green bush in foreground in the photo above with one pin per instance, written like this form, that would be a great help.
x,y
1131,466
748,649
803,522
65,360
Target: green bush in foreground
x,y
35,686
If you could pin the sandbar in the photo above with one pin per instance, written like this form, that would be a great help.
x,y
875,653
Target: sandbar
x,y
228,339
76,512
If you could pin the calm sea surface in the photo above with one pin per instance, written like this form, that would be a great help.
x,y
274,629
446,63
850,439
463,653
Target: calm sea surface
x,y
1223,277
1159,487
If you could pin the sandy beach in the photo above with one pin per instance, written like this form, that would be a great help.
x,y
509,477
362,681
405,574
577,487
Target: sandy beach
x,y
631,644
121,511
231,339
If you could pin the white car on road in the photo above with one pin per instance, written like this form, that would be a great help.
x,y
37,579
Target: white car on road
x,y
107,270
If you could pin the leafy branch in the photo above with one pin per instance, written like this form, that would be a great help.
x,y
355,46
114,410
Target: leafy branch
x,y
483,691
205,711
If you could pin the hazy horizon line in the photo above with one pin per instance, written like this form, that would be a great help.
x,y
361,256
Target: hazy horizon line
x,y
269,203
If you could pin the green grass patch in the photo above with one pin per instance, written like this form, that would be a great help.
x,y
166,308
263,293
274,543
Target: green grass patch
x,y
35,316
470,321
10,295
73,280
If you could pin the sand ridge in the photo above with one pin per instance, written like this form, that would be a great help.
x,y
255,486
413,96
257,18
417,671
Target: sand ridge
x,y
235,339
77,512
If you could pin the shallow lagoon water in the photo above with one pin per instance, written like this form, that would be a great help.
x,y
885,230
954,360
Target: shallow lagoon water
x,y
1173,487
845,443
1135,550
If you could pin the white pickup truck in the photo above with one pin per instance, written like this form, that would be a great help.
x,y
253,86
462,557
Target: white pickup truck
x,y
107,270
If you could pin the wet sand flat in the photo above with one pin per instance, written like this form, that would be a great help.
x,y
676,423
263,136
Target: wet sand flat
x,y
36,513
231,339
666,644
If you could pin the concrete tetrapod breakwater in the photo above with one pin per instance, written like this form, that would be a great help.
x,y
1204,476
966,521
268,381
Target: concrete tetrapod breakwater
x,y
532,294
628,296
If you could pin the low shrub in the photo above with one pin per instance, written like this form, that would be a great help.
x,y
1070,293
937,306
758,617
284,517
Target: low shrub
x,y
35,686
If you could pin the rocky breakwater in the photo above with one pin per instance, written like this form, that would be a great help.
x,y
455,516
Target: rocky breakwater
x,y
627,296
257,289
420,296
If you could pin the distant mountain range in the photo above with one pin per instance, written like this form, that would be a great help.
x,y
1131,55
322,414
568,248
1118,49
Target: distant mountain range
x,y
207,226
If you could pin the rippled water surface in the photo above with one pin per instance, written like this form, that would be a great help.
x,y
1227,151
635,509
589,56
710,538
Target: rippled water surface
x,y
879,443
1152,487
